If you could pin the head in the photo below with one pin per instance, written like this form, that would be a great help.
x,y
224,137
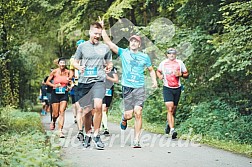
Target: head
x,y
171,53
62,63
95,32
135,42
80,42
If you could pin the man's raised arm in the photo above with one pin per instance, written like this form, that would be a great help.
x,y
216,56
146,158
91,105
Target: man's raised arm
x,y
107,40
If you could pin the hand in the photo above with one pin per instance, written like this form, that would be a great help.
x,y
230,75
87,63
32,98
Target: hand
x,y
58,85
177,73
68,88
107,70
101,21
82,69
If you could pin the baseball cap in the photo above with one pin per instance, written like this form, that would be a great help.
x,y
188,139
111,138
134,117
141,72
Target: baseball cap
x,y
171,51
80,42
136,37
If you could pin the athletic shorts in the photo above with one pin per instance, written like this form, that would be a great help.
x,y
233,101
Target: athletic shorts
x,y
57,98
49,96
171,94
45,100
73,95
107,100
108,97
87,92
133,97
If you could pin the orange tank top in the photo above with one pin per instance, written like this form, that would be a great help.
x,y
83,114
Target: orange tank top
x,y
63,80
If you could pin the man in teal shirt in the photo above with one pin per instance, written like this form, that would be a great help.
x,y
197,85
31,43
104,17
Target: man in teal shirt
x,y
133,64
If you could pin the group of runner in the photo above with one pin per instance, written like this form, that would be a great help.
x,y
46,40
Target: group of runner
x,y
92,67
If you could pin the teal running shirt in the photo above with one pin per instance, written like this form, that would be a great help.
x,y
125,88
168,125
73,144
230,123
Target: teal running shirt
x,y
133,66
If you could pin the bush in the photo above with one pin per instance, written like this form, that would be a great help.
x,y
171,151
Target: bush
x,y
23,142
154,109
219,121
4,119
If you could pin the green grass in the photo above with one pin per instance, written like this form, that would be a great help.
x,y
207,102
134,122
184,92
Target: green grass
x,y
23,141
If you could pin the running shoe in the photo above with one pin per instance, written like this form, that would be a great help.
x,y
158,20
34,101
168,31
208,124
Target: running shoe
x,y
43,112
174,134
87,141
106,132
123,124
136,144
98,143
61,134
80,136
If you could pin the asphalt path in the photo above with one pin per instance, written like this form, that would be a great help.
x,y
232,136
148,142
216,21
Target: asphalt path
x,y
157,149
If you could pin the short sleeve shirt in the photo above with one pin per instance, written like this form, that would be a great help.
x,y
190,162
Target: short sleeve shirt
x,y
93,57
109,83
168,69
133,66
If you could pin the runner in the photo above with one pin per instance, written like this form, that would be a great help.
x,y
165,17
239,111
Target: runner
x,y
49,95
134,63
91,86
59,97
43,97
111,78
77,111
170,70
72,94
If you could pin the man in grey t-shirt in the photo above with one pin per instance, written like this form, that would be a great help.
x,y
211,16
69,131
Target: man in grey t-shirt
x,y
90,59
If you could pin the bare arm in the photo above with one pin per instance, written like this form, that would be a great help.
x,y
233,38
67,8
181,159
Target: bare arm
x,y
71,74
185,74
108,41
48,81
182,74
153,76
77,65
159,75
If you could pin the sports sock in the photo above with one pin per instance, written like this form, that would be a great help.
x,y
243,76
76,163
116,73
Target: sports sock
x,y
105,120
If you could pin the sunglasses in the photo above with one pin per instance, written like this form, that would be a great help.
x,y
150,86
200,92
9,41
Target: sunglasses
x,y
171,51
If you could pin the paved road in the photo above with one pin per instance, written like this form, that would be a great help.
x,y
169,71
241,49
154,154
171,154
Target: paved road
x,y
157,150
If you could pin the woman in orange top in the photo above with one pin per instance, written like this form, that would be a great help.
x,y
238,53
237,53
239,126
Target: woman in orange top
x,y
59,98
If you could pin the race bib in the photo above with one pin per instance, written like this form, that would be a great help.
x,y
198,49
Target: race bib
x,y
91,72
108,92
133,77
60,90
45,98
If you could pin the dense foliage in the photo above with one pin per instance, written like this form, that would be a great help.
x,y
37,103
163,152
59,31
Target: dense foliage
x,y
23,142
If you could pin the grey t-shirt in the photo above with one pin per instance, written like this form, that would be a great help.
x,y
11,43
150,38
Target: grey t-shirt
x,y
109,83
93,57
